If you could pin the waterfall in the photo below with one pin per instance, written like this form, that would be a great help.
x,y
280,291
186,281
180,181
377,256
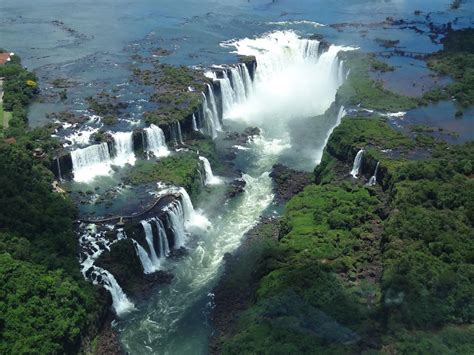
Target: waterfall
x,y
176,135
340,73
58,164
213,108
209,118
210,178
93,244
156,142
342,112
373,178
149,239
195,127
290,73
180,135
188,208
357,163
176,215
244,72
163,239
148,267
191,217
143,135
227,94
89,162
123,147
120,301
235,87
238,85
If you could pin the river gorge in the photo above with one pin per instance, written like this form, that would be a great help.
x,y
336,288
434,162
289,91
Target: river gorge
x,y
182,132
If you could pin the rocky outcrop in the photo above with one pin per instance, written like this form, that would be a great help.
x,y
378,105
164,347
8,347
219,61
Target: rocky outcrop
x,y
288,182
250,62
107,341
122,261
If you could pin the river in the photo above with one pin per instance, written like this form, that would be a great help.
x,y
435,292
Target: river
x,y
91,43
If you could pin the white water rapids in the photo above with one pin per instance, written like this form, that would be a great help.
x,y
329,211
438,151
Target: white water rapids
x,y
292,84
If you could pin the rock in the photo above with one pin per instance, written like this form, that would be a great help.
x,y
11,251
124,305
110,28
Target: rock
x,y
161,52
243,137
122,262
236,187
108,342
288,182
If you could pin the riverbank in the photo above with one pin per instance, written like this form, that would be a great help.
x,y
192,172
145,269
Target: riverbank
x,y
349,270
351,267
327,270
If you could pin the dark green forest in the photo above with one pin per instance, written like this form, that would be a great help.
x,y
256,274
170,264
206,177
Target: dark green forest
x,y
352,268
46,307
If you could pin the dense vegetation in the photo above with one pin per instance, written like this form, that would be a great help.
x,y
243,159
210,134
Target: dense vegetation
x,y
356,268
456,60
171,91
45,305
181,169
19,87
366,269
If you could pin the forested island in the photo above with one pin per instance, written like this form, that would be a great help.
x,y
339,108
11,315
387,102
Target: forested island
x,y
372,253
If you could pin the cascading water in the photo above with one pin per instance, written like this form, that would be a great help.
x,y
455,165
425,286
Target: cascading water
x,y
195,127
213,108
341,113
340,74
210,127
58,164
123,148
192,218
357,163
163,239
149,240
176,216
120,301
148,267
92,244
211,117
227,94
247,80
373,178
179,134
210,178
90,162
176,136
291,81
156,142
238,85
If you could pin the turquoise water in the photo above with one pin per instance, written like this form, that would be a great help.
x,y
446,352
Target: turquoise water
x,y
93,48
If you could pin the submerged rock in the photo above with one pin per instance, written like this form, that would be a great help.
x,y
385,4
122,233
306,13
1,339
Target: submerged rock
x,y
236,187
243,137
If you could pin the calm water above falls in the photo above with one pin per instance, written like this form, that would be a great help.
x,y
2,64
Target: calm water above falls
x,y
93,49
